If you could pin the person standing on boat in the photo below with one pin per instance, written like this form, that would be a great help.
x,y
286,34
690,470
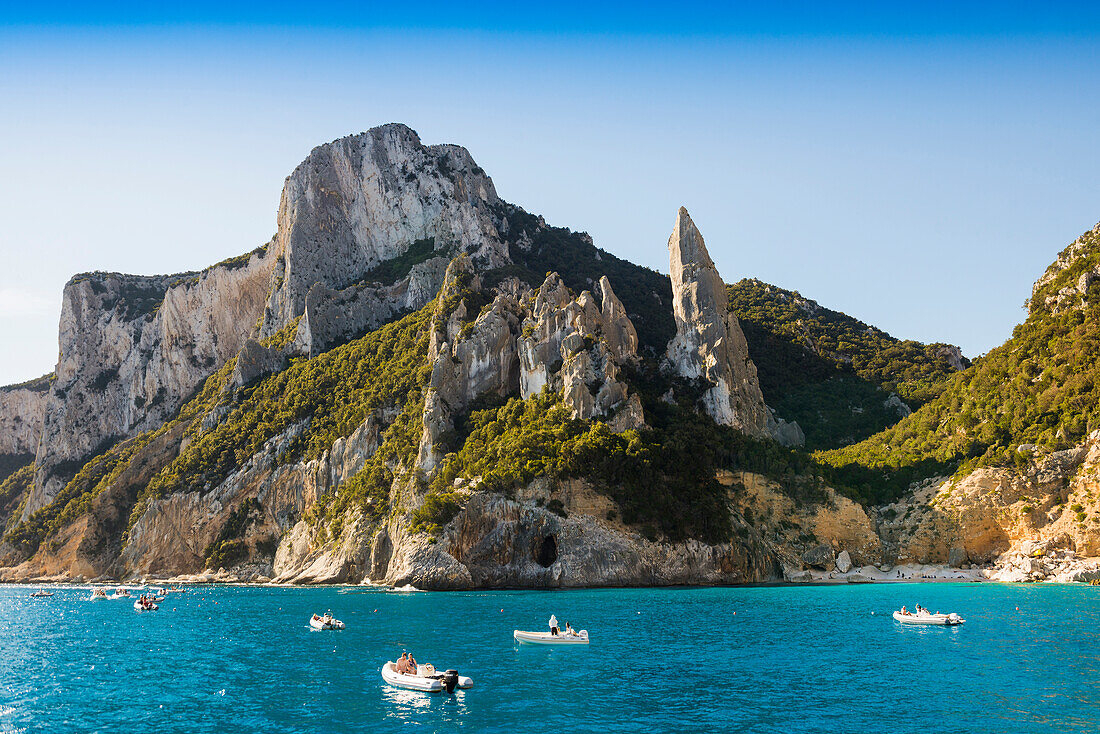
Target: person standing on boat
x,y
553,625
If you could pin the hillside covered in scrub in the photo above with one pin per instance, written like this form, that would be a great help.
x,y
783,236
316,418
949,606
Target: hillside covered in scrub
x,y
417,382
1036,393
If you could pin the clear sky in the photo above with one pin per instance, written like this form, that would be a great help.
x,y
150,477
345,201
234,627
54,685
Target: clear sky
x,y
914,165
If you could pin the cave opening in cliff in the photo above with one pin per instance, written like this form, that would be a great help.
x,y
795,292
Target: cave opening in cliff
x,y
547,552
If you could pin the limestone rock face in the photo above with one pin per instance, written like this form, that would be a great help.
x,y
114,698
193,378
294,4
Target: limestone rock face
x,y
255,361
22,408
133,348
569,344
989,515
334,317
709,344
578,349
501,542
365,199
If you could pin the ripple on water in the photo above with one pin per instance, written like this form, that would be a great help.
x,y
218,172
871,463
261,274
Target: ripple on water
x,y
813,659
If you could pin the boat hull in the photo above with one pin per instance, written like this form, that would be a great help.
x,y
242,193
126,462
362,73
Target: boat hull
x,y
418,682
317,624
138,606
545,638
941,620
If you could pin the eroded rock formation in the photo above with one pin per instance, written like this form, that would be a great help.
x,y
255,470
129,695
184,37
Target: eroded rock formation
x,y
709,345
366,199
133,348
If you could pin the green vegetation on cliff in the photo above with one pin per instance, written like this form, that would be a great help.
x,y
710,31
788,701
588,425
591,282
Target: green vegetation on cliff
x,y
329,396
1040,387
662,478
397,268
828,371
13,494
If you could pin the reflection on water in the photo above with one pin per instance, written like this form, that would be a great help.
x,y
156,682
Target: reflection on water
x,y
411,705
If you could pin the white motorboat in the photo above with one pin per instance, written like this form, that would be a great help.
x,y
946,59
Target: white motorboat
x,y
546,638
947,620
120,593
325,622
145,606
426,679
98,595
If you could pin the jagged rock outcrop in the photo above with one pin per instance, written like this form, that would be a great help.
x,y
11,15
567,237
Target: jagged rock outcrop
x,y
133,348
1073,294
570,345
22,408
578,349
365,199
709,344
499,542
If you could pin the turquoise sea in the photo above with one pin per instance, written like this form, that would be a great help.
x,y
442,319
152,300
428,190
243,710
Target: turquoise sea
x,y
805,659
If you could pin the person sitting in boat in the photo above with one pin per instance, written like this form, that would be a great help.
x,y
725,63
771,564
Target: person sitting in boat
x,y
401,666
569,630
412,664
554,625
905,611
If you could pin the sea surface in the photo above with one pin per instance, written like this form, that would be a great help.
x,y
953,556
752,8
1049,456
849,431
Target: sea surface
x,y
785,659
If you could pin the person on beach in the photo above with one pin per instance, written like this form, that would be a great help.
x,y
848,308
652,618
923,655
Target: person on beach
x,y
553,625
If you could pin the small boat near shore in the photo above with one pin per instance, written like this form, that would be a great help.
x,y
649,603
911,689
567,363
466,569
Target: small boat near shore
x,y
98,595
926,618
145,606
426,679
121,593
41,594
325,622
547,638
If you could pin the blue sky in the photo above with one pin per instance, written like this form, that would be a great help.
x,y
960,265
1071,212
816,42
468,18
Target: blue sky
x,y
916,166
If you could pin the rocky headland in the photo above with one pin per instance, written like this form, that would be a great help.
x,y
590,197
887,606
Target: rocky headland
x,y
396,390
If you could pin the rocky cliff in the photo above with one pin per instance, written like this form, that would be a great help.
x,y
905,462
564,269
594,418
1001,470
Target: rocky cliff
x,y
709,344
132,349
22,408
361,201
396,389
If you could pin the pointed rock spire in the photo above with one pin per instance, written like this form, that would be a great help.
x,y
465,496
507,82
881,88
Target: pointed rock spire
x,y
709,344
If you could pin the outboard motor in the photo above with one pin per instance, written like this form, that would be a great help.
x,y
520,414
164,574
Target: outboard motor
x,y
450,680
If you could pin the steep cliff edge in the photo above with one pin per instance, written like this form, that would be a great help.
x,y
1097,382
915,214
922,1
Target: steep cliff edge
x,y
365,200
133,349
22,408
